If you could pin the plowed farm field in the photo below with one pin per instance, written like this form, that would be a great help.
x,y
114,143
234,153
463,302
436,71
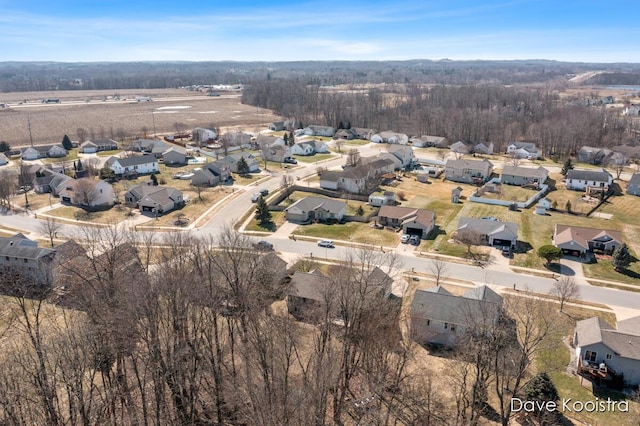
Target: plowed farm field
x,y
119,115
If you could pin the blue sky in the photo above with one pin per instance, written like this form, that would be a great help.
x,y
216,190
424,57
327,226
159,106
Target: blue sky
x,y
282,30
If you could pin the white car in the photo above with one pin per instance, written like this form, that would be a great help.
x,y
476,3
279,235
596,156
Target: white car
x,y
405,238
255,197
326,243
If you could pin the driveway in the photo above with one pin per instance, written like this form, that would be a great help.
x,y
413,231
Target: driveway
x,y
572,267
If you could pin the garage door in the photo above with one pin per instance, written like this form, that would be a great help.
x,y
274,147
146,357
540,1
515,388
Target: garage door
x,y
499,242
414,231
147,209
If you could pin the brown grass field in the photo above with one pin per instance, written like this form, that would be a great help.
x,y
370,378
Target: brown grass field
x,y
110,118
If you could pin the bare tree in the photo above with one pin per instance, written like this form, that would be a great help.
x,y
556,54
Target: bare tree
x,y
8,186
50,228
565,289
469,238
286,182
439,269
353,156
85,192
82,134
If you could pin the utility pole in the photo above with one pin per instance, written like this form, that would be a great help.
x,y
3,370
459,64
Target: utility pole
x,y
153,116
29,127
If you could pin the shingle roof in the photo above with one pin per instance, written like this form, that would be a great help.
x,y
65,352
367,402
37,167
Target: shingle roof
x,y
405,214
313,203
309,285
464,163
528,172
594,330
581,236
486,226
135,161
331,175
527,146
440,305
635,179
594,175
21,247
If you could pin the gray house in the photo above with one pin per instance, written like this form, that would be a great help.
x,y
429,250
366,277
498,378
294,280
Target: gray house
x,y
468,171
156,199
175,156
606,353
20,254
316,208
440,318
212,174
412,221
233,159
489,231
514,175
634,185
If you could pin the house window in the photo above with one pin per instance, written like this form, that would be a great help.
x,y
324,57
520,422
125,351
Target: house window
x,y
428,323
590,356
609,356
446,325
453,328
26,260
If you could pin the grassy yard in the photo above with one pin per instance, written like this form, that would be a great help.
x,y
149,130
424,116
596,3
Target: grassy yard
x,y
313,158
352,231
555,358
112,215
194,208
36,201
602,269
277,219
244,180
510,193
108,153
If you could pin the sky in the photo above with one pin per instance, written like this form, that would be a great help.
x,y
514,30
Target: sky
x,y
283,30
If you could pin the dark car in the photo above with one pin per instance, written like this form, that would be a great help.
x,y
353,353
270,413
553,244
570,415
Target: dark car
x,y
290,160
263,245
264,192
506,251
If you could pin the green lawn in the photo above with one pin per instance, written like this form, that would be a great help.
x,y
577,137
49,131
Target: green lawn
x,y
108,153
352,231
313,158
277,219
602,269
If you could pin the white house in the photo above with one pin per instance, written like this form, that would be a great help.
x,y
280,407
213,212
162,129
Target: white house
x,y
428,141
142,164
309,148
388,198
404,153
319,131
3,159
523,150
43,151
581,180
390,137
86,193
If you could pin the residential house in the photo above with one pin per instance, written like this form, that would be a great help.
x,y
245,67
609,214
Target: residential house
x,y
523,150
319,131
412,221
48,181
483,148
309,292
345,134
269,141
98,145
516,175
203,136
440,318
390,138
608,354
87,193
309,148
461,147
404,153
240,139
351,179
468,171
3,159
587,180
43,151
150,146
362,133
597,156
316,209
388,198
141,164
233,159
430,141
22,255
175,156
578,241
488,231
278,126
634,185
276,153
212,174
383,164
156,199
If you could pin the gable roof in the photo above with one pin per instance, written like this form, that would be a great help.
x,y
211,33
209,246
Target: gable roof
x,y
527,146
594,175
465,163
581,235
310,285
21,247
528,172
635,179
440,305
314,203
486,226
407,214
133,161
595,330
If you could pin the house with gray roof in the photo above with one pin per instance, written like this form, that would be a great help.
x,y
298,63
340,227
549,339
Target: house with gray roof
x,y
150,146
3,159
362,133
212,174
468,171
155,199
48,181
404,153
20,254
316,209
140,164
633,187
98,145
489,231
43,151
309,148
175,156
440,318
586,180
429,141
412,221
233,159
518,175
523,150
314,130
606,353
390,138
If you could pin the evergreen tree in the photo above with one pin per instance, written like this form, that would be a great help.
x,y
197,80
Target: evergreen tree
x,y
66,143
541,388
154,179
263,215
75,166
292,139
340,125
348,124
4,146
549,253
568,206
568,165
286,138
79,165
243,167
621,258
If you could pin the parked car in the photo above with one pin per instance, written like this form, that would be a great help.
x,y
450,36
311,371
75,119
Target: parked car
x,y
506,251
326,243
405,238
263,245
415,240
290,160
255,197
264,192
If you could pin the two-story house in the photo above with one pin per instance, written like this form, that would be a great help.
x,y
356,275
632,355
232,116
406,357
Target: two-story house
x,y
468,171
